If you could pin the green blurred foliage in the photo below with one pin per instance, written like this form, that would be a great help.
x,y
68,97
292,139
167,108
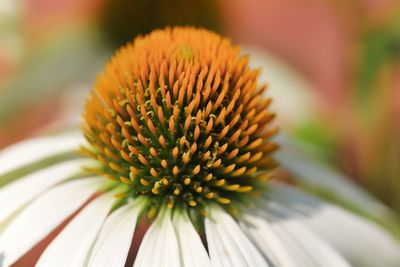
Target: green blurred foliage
x,y
379,46
367,144
322,138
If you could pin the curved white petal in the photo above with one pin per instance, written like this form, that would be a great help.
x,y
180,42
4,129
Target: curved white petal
x,y
192,250
36,149
312,172
112,245
361,242
43,216
227,244
72,245
159,246
18,193
306,248
262,233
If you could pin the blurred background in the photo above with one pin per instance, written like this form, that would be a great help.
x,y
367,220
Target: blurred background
x,y
333,67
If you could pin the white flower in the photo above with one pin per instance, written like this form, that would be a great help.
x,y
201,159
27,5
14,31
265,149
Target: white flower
x,y
283,228
177,136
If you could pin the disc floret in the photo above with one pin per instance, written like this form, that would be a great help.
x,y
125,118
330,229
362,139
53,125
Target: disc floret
x,y
178,117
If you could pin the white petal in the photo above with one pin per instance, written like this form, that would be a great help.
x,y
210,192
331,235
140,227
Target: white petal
x,y
260,230
306,248
310,171
36,149
159,246
112,245
18,193
192,250
321,253
72,245
361,242
43,216
227,244
355,238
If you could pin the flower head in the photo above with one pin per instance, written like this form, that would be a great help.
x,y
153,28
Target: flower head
x,y
178,116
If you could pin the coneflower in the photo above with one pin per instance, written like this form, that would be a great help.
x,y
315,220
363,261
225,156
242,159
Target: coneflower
x,y
179,118
178,134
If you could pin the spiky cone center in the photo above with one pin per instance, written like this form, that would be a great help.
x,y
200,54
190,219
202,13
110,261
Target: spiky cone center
x,y
177,117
